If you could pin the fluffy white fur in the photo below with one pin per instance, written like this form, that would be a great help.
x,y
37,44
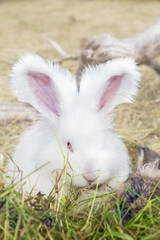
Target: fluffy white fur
x,y
95,79
65,84
98,154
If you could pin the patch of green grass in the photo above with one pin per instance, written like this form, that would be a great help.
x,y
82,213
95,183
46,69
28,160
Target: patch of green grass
x,y
95,217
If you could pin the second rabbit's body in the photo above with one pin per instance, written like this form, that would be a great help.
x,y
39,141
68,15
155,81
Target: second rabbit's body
x,y
142,185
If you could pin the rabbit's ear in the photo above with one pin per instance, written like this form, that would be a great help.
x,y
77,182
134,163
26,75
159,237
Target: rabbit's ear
x,y
45,86
147,157
107,85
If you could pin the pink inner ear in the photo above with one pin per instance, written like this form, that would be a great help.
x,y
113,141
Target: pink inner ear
x,y
110,91
44,90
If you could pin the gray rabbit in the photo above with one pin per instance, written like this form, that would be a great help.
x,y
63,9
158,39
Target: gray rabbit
x,y
140,185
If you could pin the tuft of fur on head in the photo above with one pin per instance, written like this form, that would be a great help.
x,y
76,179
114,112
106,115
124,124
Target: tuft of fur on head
x,y
148,162
151,169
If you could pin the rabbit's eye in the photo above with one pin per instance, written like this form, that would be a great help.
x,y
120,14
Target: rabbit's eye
x,y
69,146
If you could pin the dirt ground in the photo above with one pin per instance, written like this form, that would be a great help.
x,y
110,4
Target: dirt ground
x,y
26,26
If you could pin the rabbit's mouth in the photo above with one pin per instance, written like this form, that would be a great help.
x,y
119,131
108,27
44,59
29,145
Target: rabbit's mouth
x,y
94,186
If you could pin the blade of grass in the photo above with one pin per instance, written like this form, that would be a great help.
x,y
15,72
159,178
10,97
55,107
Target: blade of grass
x,y
91,209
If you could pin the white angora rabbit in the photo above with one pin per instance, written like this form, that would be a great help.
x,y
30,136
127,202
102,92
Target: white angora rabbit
x,y
74,124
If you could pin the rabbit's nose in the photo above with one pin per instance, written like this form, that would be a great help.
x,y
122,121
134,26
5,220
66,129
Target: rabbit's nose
x,y
90,177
